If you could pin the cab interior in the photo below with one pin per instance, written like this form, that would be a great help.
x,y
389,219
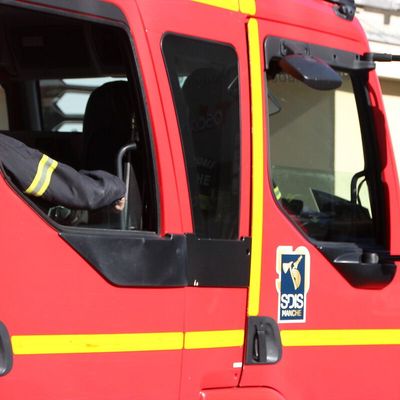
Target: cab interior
x,y
69,88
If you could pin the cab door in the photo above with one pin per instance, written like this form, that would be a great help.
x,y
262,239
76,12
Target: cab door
x,y
203,75
324,230
93,309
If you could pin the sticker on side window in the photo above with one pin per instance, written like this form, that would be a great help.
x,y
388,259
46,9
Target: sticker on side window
x,y
293,283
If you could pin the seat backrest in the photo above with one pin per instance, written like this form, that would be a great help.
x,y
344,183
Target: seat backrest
x,y
107,127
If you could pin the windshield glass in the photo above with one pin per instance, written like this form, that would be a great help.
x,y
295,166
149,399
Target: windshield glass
x,y
317,159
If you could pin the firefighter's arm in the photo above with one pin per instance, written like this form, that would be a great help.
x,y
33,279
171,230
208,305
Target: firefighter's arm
x,y
40,176
87,190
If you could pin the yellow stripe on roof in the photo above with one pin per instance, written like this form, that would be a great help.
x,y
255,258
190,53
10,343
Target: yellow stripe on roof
x,y
247,7
232,5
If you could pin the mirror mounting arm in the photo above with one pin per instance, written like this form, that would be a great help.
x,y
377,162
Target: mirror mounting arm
x,y
381,57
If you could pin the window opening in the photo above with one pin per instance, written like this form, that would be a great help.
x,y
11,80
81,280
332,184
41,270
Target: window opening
x,y
64,101
73,94
204,80
317,160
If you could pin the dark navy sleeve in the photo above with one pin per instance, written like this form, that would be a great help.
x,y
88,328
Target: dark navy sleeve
x,y
87,190
38,175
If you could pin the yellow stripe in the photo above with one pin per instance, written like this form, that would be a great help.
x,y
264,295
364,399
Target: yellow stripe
x,y
125,342
38,175
248,7
232,5
68,344
162,341
340,337
258,167
47,180
214,339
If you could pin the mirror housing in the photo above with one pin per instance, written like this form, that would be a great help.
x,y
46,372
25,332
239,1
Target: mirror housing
x,y
312,71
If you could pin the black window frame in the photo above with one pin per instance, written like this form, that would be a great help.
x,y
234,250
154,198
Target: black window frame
x,y
190,164
98,10
362,265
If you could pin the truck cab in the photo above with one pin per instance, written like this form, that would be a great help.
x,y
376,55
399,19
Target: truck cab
x,y
256,255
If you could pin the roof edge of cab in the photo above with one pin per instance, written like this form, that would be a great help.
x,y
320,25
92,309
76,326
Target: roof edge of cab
x,y
88,7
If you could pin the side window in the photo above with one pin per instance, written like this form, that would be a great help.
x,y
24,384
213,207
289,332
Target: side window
x,y
319,170
204,80
82,104
63,102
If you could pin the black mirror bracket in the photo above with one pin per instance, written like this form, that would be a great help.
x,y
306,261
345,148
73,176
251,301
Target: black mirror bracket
x,y
362,269
345,9
277,48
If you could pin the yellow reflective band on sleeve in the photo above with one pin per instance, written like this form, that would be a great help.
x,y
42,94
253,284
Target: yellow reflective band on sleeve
x,y
257,119
247,7
340,337
42,179
214,339
38,175
107,343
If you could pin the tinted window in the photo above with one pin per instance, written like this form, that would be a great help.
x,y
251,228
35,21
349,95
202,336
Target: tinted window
x,y
64,101
204,81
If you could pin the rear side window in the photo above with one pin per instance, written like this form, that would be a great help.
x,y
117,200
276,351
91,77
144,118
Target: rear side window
x,y
204,80
64,101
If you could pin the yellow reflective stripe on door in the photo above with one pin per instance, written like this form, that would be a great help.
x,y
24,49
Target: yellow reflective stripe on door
x,y
163,341
257,119
125,342
101,343
214,339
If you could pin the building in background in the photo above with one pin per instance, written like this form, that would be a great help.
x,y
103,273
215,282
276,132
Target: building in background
x,y
381,21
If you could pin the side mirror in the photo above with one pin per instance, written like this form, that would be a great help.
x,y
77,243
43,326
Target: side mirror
x,y
312,71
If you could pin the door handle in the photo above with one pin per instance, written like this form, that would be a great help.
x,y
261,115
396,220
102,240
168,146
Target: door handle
x,y
264,344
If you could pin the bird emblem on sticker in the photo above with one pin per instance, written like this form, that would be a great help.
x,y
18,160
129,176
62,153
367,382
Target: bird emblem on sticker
x,y
293,283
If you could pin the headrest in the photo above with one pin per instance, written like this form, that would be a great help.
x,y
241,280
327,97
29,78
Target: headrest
x,y
107,125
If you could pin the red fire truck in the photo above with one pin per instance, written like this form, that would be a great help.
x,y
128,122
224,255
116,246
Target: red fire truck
x,y
256,256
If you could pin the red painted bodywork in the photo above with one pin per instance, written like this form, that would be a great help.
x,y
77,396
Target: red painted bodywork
x,y
258,393
47,288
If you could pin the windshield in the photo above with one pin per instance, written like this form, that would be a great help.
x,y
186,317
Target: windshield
x,y
317,159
